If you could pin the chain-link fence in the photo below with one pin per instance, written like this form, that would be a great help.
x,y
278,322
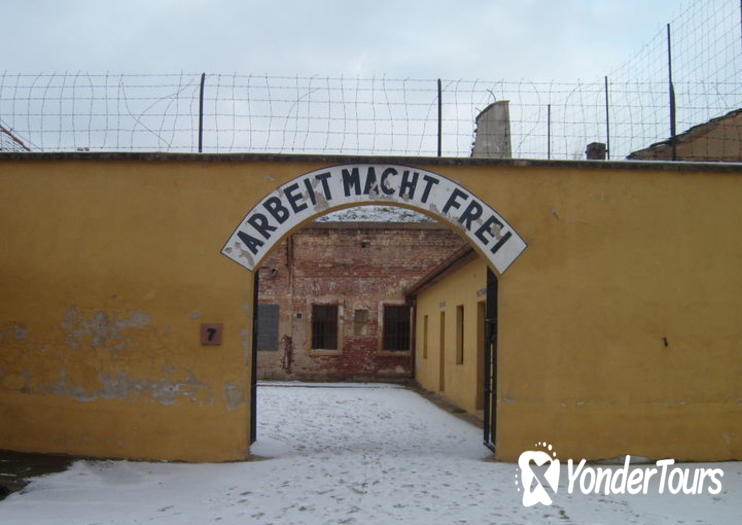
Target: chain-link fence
x,y
628,109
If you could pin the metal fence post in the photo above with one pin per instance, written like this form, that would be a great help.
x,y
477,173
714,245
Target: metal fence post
x,y
548,131
201,114
440,117
672,97
607,124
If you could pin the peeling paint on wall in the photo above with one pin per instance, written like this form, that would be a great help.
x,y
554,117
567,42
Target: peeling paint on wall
x,y
111,340
234,396
20,332
103,329
245,339
120,386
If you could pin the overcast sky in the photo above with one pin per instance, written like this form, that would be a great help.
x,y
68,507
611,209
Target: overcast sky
x,y
468,39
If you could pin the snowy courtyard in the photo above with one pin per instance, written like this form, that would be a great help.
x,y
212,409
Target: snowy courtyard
x,y
346,454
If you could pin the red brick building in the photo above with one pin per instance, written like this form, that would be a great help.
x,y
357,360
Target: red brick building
x,y
332,304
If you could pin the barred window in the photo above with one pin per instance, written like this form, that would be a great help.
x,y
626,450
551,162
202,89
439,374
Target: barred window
x,y
325,326
396,327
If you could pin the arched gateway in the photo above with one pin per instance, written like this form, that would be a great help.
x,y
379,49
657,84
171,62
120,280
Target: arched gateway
x,y
319,191
113,286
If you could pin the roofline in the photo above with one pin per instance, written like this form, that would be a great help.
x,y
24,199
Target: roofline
x,y
723,167
687,135
457,258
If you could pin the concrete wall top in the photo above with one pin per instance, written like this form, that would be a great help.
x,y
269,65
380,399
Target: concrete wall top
x,y
717,167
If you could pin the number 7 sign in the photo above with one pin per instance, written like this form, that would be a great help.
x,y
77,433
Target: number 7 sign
x,y
211,334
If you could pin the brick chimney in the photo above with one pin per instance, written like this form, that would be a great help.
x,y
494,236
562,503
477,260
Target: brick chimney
x,y
595,151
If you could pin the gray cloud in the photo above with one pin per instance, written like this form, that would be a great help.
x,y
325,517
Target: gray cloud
x,y
535,39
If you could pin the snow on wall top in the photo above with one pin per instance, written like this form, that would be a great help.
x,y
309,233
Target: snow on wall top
x,y
375,214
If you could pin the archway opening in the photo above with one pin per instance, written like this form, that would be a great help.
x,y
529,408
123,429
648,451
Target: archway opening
x,y
355,296
302,199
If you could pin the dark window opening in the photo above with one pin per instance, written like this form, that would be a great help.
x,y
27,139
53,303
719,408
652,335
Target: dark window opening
x,y
396,327
325,326
425,337
267,327
460,334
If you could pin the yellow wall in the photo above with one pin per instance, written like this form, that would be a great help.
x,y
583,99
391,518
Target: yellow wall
x,y
464,285
107,271
109,265
617,261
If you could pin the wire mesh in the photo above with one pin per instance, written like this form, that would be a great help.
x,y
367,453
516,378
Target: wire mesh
x,y
384,116
706,50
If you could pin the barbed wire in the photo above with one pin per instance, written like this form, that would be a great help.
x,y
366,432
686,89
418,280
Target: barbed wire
x,y
246,113
9,142
381,115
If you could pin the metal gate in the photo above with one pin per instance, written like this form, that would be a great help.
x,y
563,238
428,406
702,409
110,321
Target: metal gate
x,y
490,362
254,364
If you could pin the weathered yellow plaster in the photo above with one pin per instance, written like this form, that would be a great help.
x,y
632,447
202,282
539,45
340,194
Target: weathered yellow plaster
x,y
463,286
619,326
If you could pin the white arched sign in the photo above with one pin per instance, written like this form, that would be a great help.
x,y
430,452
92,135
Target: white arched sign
x,y
322,190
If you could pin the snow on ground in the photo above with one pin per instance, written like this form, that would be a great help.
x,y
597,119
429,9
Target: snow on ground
x,y
365,455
